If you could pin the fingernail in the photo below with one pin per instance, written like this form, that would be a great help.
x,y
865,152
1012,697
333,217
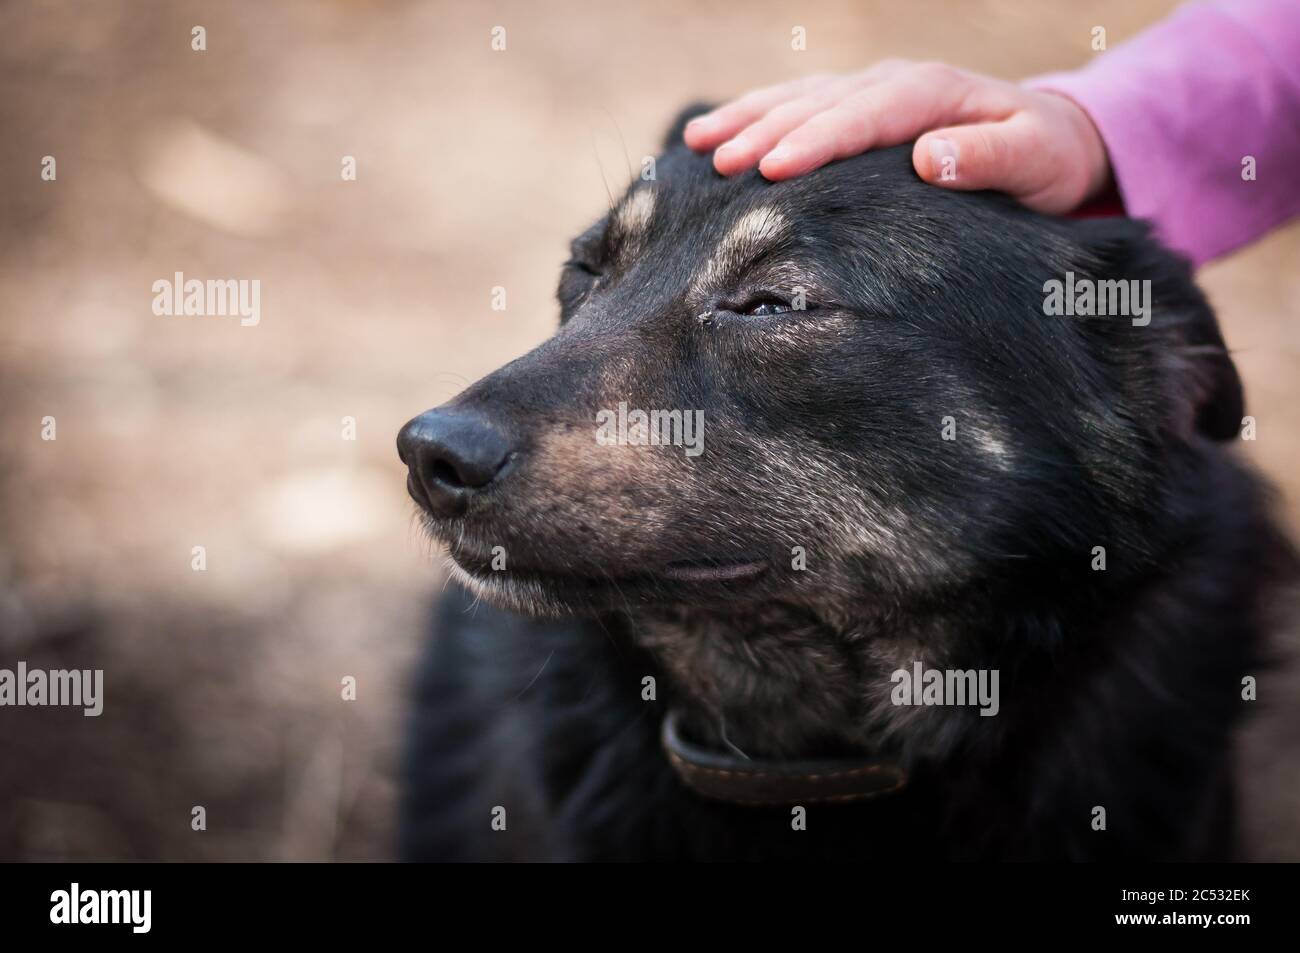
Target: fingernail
x,y
780,154
943,158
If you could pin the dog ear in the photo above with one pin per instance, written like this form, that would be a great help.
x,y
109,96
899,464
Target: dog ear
x,y
1181,348
1218,402
673,137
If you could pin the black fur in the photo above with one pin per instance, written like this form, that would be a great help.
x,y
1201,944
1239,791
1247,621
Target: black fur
x,y
1119,688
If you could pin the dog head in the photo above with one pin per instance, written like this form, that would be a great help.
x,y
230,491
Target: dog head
x,y
849,392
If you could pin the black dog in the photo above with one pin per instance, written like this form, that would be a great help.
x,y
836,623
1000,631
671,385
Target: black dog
x,y
899,558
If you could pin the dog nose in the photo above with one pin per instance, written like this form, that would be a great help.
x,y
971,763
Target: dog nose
x,y
451,456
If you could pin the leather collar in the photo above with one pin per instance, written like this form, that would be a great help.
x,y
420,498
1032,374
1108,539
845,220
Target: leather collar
x,y
722,776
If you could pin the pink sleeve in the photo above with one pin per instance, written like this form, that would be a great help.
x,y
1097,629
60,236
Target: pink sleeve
x,y
1181,107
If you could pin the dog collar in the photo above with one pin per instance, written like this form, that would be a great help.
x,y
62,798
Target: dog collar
x,y
721,776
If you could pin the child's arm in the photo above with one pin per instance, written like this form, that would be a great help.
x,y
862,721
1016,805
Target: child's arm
x,y
1175,115
1201,117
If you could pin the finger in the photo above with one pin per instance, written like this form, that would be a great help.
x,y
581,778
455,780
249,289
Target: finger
x,y
885,114
743,150
719,125
708,131
1007,156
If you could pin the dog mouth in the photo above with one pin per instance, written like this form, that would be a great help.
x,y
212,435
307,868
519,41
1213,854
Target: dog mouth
x,y
714,570
529,588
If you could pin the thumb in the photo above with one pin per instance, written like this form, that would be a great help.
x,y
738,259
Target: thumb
x,y
1003,156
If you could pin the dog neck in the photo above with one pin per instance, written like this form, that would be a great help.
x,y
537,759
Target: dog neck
x,y
778,683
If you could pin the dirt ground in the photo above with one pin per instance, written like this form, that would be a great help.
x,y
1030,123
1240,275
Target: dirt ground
x,y
474,167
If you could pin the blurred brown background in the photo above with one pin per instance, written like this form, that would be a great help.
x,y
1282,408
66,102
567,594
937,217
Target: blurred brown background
x,y
474,168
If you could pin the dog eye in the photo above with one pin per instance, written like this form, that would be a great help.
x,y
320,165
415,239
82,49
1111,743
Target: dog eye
x,y
763,307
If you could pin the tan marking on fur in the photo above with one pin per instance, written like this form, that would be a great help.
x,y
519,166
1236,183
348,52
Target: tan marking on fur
x,y
993,446
574,471
756,231
633,216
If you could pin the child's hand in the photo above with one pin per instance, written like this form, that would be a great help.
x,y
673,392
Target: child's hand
x,y
979,133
